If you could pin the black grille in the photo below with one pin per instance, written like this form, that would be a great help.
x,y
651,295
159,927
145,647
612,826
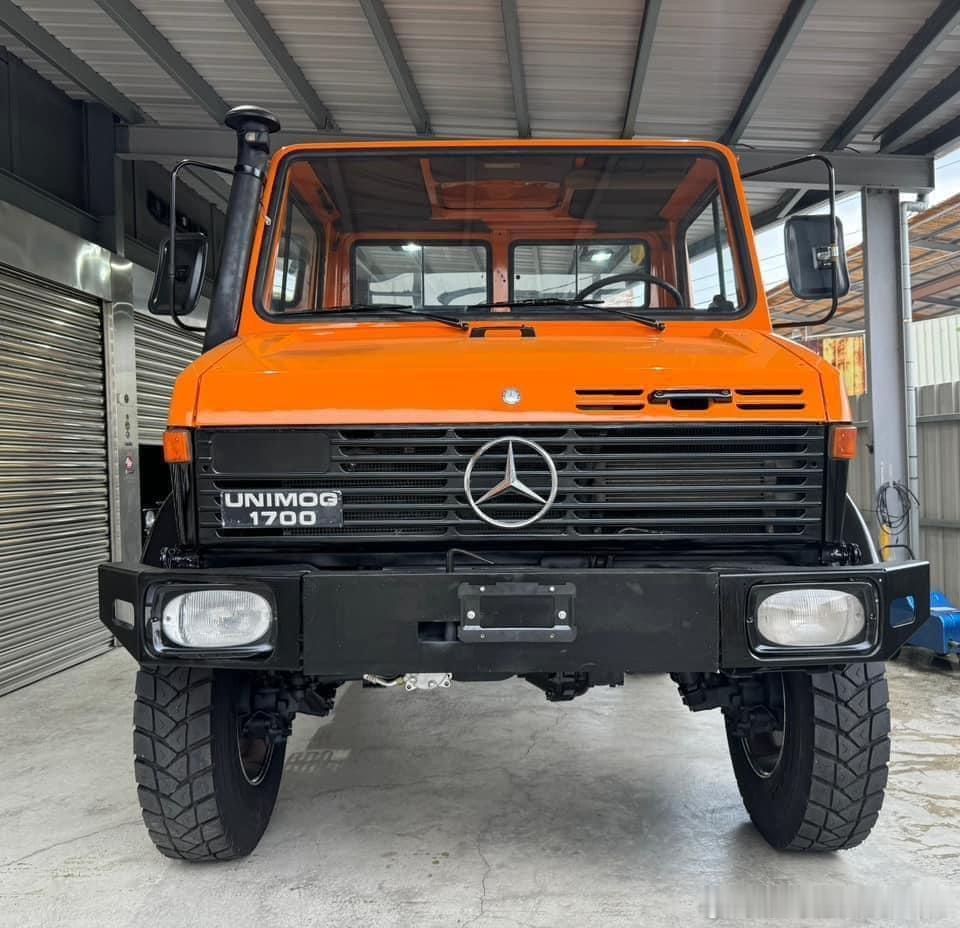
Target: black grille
x,y
717,482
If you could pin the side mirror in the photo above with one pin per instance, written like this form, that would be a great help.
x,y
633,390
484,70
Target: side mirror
x,y
189,265
810,270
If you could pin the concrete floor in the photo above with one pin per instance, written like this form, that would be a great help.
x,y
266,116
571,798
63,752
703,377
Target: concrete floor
x,y
481,805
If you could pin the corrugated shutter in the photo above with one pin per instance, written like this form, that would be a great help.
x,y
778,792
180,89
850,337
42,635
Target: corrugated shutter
x,y
54,509
163,351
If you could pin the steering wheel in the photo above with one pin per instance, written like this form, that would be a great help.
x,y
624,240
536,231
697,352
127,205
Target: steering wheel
x,y
631,275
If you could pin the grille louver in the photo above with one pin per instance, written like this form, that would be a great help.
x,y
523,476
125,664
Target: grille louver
x,y
708,482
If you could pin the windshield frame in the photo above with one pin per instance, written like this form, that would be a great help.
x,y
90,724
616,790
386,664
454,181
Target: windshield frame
x,y
727,187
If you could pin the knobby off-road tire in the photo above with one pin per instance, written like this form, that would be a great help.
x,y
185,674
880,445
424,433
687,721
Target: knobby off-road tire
x,y
821,787
206,794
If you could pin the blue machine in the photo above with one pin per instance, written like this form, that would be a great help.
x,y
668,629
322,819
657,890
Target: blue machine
x,y
941,632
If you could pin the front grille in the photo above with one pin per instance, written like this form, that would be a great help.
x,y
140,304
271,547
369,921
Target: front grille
x,y
709,483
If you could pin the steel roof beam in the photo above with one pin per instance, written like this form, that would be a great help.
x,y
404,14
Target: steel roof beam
x,y
939,301
648,27
932,244
163,143
935,287
941,137
926,106
396,62
55,53
152,41
783,38
268,42
518,80
938,26
853,171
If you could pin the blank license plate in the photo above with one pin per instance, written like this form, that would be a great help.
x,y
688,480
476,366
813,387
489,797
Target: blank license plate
x,y
258,509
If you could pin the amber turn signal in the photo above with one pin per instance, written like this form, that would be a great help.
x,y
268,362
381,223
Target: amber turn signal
x,y
177,448
843,442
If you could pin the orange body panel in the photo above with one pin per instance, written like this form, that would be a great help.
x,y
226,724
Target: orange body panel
x,y
416,371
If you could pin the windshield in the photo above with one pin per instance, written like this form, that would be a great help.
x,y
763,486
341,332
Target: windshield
x,y
474,232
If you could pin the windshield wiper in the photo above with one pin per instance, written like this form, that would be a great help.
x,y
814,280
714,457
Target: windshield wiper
x,y
588,304
402,308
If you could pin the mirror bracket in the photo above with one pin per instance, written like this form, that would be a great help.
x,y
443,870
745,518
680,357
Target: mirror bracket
x,y
832,257
171,280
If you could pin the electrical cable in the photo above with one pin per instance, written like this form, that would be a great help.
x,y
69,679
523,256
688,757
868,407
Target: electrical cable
x,y
894,508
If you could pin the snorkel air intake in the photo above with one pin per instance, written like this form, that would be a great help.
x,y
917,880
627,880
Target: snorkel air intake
x,y
253,126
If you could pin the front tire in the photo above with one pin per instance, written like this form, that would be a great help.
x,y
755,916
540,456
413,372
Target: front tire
x,y
817,783
206,792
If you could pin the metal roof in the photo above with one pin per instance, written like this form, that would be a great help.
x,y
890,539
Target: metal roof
x,y
797,75
934,277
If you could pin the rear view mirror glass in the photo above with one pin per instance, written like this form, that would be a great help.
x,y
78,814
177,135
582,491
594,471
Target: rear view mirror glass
x,y
809,268
189,268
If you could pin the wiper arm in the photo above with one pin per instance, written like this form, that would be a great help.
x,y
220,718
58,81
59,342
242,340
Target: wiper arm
x,y
588,304
402,308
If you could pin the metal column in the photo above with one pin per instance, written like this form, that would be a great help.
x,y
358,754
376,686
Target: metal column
x,y
122,439
885,343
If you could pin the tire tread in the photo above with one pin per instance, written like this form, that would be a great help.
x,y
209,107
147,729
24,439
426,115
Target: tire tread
x,y
851,750
173,764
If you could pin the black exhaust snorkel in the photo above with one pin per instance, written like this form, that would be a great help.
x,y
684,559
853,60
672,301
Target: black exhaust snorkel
x,y
253,126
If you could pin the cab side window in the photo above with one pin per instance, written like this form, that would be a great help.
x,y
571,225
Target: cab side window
x,y
298,269
712,281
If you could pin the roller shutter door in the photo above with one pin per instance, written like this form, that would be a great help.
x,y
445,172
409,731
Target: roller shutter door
x,y
163,351
54,518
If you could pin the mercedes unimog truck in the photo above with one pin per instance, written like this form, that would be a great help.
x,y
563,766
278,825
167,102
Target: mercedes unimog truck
x,y
474,410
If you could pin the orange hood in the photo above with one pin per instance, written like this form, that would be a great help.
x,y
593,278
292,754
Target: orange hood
x,y
411,372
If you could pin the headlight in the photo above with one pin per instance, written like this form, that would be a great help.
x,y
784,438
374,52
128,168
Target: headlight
x,y
216,618
810,618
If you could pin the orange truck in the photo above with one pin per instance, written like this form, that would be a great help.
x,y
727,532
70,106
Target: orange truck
x,y
470,410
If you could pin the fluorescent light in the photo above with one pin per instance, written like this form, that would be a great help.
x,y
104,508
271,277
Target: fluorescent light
x,y
601,257
410,247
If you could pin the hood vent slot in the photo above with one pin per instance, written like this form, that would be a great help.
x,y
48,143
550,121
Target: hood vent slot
x,y
771,399
617,400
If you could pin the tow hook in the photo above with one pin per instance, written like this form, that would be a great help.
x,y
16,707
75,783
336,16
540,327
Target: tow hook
x,y
413,681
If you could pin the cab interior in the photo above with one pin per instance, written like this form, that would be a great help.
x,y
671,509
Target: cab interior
x,y
488,232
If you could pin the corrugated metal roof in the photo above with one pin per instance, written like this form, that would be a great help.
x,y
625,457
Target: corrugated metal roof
x,y
332,43
934,67
91,35
458,58
578,59
32,60
578,64
703,58
209,36
842,50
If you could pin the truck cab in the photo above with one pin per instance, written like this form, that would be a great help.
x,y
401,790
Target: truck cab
x,y
478,409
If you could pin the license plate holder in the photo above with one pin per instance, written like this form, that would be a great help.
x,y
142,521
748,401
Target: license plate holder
x,y
517,612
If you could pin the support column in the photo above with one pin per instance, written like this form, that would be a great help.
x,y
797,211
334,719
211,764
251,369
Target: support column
x,y
121,394
883,300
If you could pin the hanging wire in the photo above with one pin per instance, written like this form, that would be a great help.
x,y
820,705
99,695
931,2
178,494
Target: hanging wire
x,y
894,507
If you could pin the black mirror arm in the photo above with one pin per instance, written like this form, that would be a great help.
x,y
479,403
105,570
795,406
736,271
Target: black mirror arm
x,y
172,279
834,244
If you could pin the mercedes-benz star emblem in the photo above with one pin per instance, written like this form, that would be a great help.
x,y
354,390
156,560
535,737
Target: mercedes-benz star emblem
x,y
511,482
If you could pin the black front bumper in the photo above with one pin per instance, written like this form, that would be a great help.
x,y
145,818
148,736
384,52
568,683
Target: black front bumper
x,y
345,624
